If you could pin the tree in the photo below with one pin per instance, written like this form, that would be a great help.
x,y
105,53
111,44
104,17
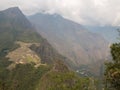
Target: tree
x,y
112,73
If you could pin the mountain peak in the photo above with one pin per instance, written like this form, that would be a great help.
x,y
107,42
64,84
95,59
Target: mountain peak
x,y
13,8
13,11
12,15
48,15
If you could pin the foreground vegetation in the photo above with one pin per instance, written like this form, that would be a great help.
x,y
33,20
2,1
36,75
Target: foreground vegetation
x,y
112,73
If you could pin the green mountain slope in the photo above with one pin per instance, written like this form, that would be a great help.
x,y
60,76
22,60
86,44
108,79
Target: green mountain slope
x,y
15,27
16,35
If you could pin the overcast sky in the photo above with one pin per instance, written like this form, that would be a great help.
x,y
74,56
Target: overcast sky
x,y
87,12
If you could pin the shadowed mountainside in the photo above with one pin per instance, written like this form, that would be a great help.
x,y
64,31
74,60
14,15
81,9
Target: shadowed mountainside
x,y
110,33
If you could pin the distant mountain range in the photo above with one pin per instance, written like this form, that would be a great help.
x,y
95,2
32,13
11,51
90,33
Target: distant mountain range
x,y
110,33
72,40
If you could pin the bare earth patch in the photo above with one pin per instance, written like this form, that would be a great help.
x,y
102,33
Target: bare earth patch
x,y
23,55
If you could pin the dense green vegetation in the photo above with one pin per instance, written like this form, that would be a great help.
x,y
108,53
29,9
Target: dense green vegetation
x,y
112,73
27,77
23,77
63,81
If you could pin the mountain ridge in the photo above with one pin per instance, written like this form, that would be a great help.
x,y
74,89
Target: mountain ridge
x,y
18,29
110,33
25,76
71,39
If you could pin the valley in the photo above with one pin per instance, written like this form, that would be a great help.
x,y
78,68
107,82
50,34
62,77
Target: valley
x,y
72,40
48,52
28,61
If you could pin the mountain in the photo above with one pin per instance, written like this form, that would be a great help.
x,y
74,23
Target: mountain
x,y
110,33
16,31
28,61
71,39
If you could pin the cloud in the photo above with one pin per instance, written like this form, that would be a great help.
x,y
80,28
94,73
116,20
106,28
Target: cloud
x,y
87,12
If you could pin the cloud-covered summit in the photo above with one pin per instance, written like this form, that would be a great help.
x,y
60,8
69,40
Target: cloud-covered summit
x,y
87,12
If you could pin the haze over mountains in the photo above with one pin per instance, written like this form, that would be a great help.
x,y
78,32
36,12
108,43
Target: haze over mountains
x,y
110,33
60,45
81,46
29,62
70,39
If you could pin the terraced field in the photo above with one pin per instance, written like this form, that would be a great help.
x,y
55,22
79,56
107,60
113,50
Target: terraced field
x,y
23,55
